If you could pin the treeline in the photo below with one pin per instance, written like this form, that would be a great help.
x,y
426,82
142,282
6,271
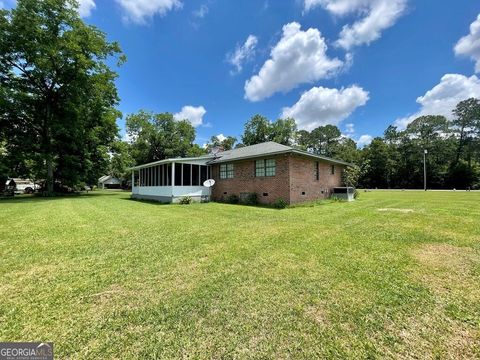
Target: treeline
x,y
394,160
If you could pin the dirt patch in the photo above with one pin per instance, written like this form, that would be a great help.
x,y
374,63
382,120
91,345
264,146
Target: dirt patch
x,y
403,211
448,272
317,314
449,269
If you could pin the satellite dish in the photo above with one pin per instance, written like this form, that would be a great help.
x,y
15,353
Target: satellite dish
x,y
209,183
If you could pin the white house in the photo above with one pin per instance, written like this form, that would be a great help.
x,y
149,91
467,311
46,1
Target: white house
x,y
109,182
170,180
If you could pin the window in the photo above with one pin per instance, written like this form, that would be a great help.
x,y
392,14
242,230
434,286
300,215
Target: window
x,y
265,167
317,171
333,169
226,171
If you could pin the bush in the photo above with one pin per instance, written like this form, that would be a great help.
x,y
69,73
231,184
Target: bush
x,y
356,194
186,200
232,199
280,204
251,199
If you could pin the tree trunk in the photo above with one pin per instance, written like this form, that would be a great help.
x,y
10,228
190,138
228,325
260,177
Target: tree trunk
x,y
48,149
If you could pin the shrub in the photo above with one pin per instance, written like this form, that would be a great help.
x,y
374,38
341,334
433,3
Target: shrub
x,y
250,199
356,194
280,204
232,199
186,200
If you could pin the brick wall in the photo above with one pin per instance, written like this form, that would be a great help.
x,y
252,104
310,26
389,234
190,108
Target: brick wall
x,y
244,181
294,180
303,183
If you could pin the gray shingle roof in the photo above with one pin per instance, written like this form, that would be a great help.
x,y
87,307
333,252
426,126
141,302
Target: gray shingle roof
x,y
265,149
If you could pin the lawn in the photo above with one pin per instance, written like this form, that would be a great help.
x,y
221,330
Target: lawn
x,y
392,275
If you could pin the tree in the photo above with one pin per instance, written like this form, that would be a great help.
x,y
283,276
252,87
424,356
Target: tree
x,y
159,136
57,91
323,140
257,130
226,143
121,160
467,127
283,131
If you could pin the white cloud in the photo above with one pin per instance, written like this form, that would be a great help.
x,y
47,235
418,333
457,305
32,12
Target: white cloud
x,y
320,106
139,11
349,130
201,12
85,7
377,15
469,45
299,57
242,53
221,137
194,114
364,140
443,97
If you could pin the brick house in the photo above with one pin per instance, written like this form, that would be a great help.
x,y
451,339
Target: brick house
x,y
270,170
274,171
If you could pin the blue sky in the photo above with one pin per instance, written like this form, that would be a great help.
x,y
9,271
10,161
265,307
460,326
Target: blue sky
x,y
359,64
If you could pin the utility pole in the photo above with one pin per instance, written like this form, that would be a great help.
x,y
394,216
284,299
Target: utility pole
x,y
425,152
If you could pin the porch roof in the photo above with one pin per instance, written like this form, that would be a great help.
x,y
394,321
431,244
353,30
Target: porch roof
x,y
172,160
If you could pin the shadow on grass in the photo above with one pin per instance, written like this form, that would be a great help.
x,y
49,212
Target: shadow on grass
x,y
156,203
40,198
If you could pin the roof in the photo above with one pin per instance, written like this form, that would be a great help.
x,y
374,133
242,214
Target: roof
x,y
106,178
266,149
247,152
172,160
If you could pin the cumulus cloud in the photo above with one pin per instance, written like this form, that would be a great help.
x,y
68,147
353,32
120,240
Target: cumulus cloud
x,y
139,11
320,106
443,97
194,114
299,57
364,140
242,53
469,45
85,7
376,16
221,137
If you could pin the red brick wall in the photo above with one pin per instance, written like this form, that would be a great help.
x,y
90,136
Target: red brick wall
x,y
244,181
294,175
303,180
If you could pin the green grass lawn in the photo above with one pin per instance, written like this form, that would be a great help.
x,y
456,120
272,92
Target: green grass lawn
x,y
394,274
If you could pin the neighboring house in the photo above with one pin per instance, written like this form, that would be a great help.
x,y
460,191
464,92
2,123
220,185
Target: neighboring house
x,y
271,170
109,182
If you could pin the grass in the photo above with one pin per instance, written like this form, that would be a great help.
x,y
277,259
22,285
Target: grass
x,y
392,275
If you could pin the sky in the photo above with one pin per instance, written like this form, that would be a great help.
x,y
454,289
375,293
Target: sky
x,y
359,64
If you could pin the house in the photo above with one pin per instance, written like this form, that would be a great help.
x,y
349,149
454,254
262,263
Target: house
x,y
270,170
109,182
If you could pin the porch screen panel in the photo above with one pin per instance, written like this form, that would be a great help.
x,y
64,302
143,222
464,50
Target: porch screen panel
x,y
178,174
195,175
187,171
203,174
169,174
